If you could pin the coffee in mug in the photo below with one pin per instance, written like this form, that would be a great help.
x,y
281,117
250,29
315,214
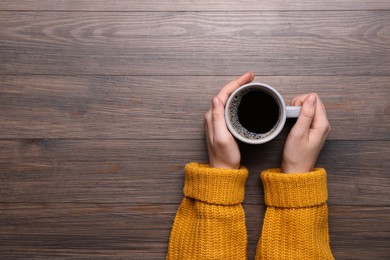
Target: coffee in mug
x,y
255,113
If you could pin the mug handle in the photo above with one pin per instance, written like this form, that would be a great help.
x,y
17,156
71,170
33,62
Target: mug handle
x,y
292,111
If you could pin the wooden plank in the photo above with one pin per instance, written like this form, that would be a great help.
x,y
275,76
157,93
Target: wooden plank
x,y
172,107
155,43
118,230
194,5
356,171
93,28
134,171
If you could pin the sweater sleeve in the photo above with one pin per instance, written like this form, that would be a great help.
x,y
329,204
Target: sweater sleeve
x,y
210,222
296,220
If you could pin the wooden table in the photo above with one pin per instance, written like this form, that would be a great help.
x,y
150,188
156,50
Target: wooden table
x,y
102,104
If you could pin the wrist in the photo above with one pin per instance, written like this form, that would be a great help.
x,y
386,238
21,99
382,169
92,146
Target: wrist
x,y
226,162
296,168
221,165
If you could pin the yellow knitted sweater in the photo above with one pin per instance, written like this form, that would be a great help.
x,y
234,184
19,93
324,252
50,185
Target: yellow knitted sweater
x,y
210,222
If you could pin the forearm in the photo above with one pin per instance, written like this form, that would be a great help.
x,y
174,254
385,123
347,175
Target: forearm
x,y
210,222
296,220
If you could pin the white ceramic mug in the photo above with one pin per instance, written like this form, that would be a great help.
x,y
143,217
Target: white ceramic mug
x,y
260,101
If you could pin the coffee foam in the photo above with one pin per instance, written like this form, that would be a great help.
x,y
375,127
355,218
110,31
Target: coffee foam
x,y
235,123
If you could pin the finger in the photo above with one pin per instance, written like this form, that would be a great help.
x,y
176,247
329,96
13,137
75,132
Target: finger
x,y
208,141
306,115
208,126
225,92
298,101
221,133
320,112
320,109
320,121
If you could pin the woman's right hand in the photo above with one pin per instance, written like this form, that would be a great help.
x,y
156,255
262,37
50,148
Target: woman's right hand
x,y
307,137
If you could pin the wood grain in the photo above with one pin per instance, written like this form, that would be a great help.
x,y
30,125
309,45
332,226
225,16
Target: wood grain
x,y
133,171
156,43
102,103
194,5
124,107
117,231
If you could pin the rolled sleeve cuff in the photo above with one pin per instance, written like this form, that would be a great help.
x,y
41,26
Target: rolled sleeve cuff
x,y
294,190
214,185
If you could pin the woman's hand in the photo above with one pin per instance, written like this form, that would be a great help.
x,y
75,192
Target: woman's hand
x,y
307,137
222,147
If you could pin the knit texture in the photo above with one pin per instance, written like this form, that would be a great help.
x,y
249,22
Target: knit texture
x,y
210,222
296,221
213,185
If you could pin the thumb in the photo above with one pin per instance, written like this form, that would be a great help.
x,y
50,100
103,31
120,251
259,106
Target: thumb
x,y
306,116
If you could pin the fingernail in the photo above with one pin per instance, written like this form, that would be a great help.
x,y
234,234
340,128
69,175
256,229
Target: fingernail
x,y
311,100
215,102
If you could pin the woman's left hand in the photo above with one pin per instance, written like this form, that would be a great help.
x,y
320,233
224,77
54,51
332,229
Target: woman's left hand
x,y
222,147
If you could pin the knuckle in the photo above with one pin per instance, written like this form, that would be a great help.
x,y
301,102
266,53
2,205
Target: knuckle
x,y
295,101
325,127
221,143
315,94
307,113
207,116
296,134
328,128
216,115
